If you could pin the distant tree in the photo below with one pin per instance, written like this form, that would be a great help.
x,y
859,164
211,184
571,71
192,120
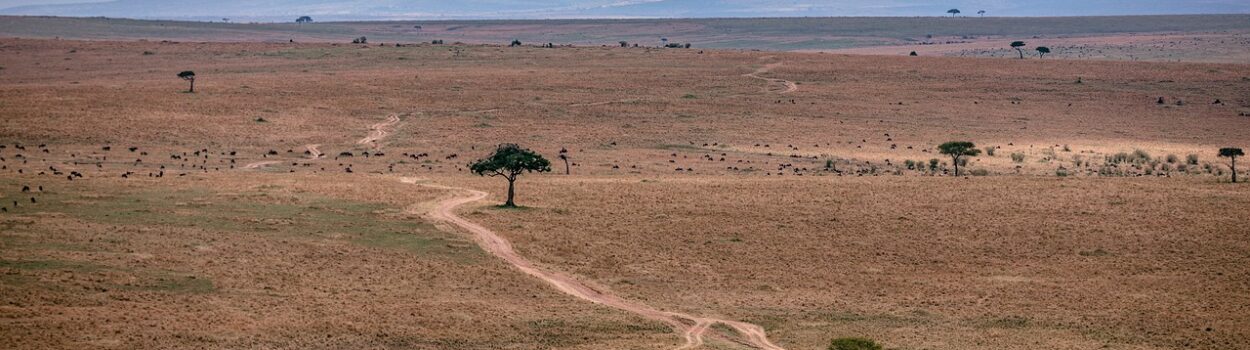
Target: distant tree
x,y
1232,153
913,54
1042,51
564,155
188,76
958,149
303,19
360,40
623,43
515,42
510,161
953,12
982,13
1018,45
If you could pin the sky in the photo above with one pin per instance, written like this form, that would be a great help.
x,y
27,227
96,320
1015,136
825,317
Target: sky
x,y
280,10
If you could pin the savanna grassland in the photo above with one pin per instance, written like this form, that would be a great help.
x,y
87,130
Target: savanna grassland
x,y
281,205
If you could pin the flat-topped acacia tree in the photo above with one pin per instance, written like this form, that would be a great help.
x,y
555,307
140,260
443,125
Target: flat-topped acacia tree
x,y
958,149
188,76
1232,153
1018,46
508,162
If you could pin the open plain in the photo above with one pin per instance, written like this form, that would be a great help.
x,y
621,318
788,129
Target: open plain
x,y
316,195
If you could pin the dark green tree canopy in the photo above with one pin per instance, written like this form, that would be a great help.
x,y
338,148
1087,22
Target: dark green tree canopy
x,y
1231,152
187,75
1043,49
959,148
510,160
1017,44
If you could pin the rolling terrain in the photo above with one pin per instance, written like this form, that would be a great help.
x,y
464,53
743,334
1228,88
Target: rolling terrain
x,y
315,195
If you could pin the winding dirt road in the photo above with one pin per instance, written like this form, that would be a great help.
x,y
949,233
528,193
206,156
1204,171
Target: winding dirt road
x,y
378,131
692,328
790,86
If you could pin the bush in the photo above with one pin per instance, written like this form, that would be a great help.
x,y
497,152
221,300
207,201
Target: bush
x,y
1191,159
989,151
1172,159
1017,157
854,344
933,164
980,172
1061,172
911,164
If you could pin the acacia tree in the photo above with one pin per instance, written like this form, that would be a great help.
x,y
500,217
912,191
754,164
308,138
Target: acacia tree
x,y
1018,45
953,12
508,162
564,155
303,19
188,76
958,149
1042,51
982,13
1232,153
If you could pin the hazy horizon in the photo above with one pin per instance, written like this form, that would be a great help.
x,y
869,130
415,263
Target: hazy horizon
x,y
329,10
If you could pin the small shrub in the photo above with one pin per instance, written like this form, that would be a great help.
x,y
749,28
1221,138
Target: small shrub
x,y
933,164
911,164
980,172
1171,159
1061,172
989,151
1017,157
1066,148
853,343
1191,159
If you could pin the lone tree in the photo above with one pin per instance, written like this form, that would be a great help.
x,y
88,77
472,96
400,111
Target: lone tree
x,y
303,19
958,149
1042,51
1018,45
953,12
564,155
982,13
510,161
515,42
188,76
1232,153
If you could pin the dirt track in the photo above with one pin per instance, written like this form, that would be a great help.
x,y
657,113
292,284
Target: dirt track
x,y
751,335
378,131
790,86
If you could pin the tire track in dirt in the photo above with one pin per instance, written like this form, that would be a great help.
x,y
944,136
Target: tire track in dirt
x,y
313,152
692,328
378,131
258,165
790,86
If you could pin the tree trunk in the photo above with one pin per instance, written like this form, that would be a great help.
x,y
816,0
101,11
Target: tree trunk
x,y
511,193
956,161
1021,53
192,86
1234,167
566,167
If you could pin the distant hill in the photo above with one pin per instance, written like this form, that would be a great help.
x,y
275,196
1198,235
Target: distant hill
x,y
284,10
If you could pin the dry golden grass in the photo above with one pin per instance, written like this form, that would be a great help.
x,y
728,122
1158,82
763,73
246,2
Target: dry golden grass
x,y
910,258
982,263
